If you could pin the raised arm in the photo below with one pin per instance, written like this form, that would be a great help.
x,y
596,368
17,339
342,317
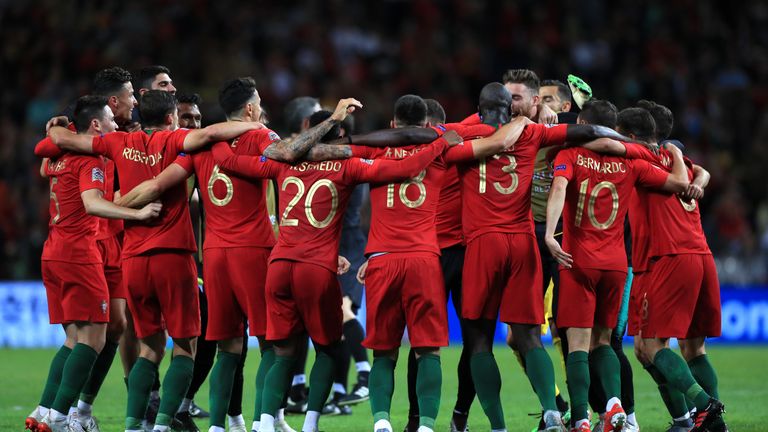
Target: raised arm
x,y
45,148
68,140
198,138
290,150
501,140
150,190
396,137
677,181
244,165
321,152
555,205
388,170
96,205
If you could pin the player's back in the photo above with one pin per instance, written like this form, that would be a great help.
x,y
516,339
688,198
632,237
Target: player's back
x,y
71,231
403,215
597,201
313,198
235,208
448,219
496,191
141,156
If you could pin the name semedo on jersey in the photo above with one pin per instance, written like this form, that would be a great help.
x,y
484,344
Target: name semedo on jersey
x,y
318,166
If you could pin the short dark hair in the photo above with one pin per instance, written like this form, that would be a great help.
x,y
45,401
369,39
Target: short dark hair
x,y
599,112
435,111
410,110
110,81
319,117
563,91
147,75
189,98
662,116
638,122
235,93
494,97
297,110
87,108
526,77
155,105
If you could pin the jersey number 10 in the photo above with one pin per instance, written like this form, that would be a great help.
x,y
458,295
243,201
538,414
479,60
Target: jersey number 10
x,y
583,186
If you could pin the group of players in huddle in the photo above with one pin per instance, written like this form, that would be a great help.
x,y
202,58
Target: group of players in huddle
x,y
515,215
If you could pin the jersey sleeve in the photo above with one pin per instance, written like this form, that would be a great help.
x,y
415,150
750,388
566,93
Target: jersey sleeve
x,y
91,174
47,149
563,164
388,170
249,166
463,152
109,145
639,151
176,139
472,120
552,135
264,139
185,161
649,175
366,152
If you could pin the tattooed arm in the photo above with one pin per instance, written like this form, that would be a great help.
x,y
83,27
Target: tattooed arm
x,y
292,149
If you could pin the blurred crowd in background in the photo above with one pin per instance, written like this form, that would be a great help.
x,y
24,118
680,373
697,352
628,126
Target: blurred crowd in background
x,y
706,60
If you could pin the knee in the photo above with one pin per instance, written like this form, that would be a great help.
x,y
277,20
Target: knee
x,y
392,354
511,339
116,328
234,346
426,351
690,349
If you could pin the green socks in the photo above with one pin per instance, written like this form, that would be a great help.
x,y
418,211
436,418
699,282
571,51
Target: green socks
x,y
679,377
175,386
381,382
54,377
140,382
222,380
429,381
541,374
267,360
76,371
704,374
320,381
577,373
487,379
276,384
99,372
673,399
607,366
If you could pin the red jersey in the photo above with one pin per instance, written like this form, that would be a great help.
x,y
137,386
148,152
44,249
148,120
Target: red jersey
x,y
141,156
71,231
448,220
676,223
235,208
498,201
109,227
321,190
403,214
596,204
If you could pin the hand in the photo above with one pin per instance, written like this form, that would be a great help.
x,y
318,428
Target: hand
x,y
561,256
343,266
150,211
344,107
62,121
546,115
654,148
452,138
694,192
670,147
361,273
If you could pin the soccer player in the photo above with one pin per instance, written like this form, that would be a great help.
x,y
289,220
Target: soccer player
x,y
594,270
149,250
297,113
305,251
673,306
496,217
155,77
73,272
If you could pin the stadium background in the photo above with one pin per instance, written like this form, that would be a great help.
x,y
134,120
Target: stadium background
x,y
706,60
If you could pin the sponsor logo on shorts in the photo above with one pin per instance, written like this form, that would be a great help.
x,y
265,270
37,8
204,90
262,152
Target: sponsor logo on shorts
x,y
104,307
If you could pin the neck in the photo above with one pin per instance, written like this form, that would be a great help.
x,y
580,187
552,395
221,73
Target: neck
x,y
157,128
495,117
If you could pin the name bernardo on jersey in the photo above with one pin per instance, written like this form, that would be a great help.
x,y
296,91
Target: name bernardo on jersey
x,y
601,167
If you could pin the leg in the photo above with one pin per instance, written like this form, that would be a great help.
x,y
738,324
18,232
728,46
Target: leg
x,y
539,367
142,376
695,354
485,371
607,367
673,399
382,384
267,360
277,379
176,381
297,397
222,378
321,381
413,402
428,385
578,377
129,345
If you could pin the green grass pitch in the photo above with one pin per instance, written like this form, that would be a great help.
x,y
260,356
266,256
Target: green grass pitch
x,y
743,372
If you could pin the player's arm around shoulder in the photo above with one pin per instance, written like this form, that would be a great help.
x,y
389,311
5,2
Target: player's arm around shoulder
x,y
195,139
151,190
677,181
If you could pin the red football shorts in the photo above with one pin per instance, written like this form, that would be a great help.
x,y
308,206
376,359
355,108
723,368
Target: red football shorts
x,y
589,298
234,283
111,249
163,293
303,297
76,292
682,298
636,294
502,277
405,289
